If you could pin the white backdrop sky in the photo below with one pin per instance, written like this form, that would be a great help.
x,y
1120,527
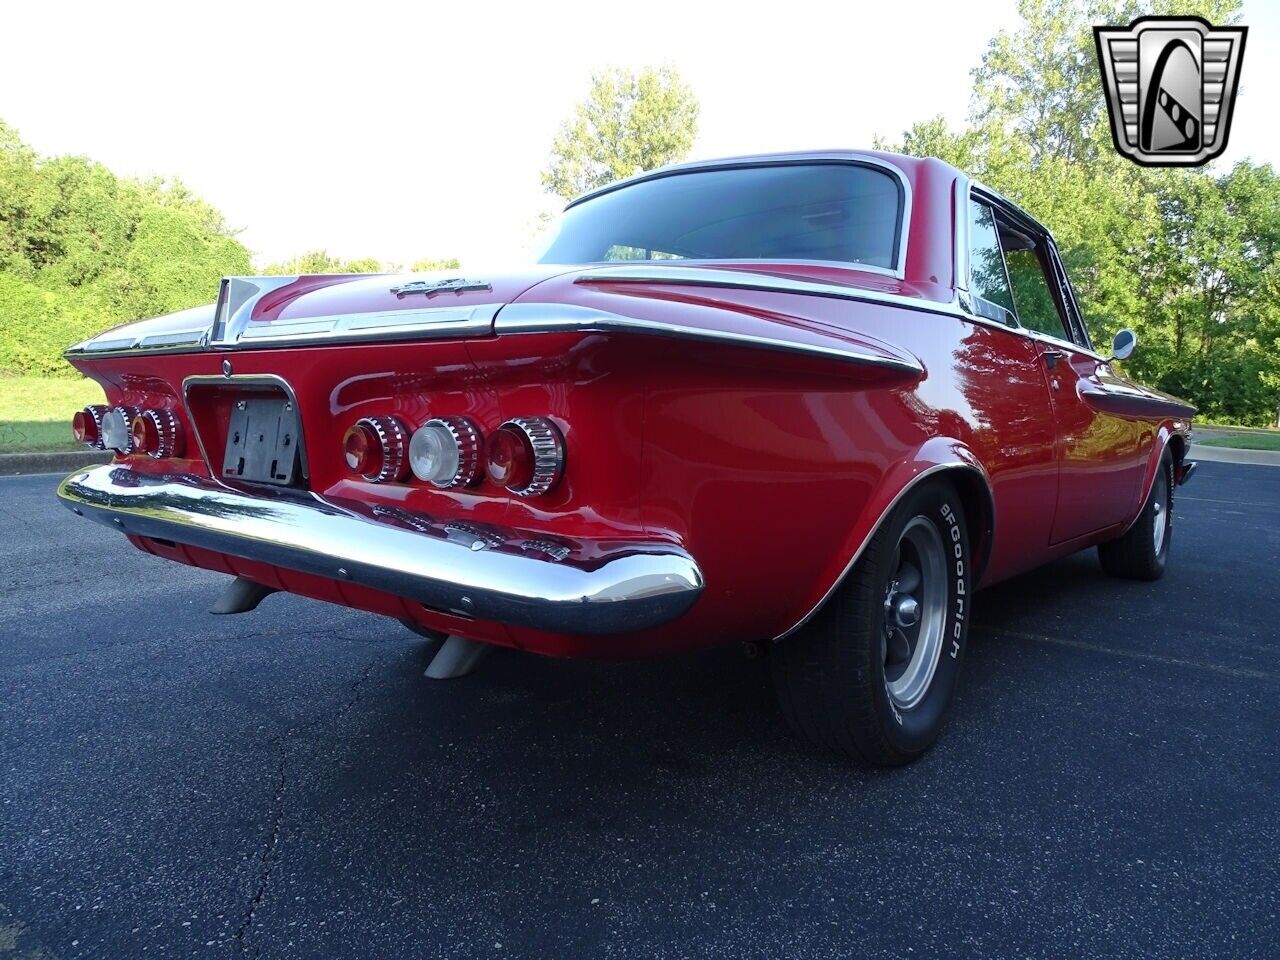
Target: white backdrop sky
x,y
409,130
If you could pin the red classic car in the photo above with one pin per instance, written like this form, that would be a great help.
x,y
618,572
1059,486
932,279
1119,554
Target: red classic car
x,y
809,402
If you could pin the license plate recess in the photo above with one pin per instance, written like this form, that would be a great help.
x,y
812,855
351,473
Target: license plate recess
x,y
262,441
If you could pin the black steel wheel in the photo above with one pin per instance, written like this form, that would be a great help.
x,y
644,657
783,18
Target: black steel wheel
x,y
1143,551
872,674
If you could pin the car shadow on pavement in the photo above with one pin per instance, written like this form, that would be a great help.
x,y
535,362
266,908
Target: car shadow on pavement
x,y
526,720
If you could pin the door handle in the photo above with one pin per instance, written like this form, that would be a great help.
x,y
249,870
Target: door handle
x,y
1051,358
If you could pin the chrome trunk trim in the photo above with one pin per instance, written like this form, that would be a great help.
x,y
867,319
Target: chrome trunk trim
x,y
627,587
229,325
384,326
179,332
234,326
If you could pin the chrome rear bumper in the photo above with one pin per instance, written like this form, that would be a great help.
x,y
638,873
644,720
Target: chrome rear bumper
x,y
473,571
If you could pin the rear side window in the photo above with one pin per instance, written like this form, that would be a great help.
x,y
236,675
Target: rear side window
x,y
845,212
987,277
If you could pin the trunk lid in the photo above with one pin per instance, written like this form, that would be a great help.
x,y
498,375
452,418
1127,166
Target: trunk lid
x,y
317,308
268,311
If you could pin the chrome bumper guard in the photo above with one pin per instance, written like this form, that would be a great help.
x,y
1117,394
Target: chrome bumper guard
x,y
456,567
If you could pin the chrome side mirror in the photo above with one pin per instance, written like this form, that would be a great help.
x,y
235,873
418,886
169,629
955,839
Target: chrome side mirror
x,y
1123,345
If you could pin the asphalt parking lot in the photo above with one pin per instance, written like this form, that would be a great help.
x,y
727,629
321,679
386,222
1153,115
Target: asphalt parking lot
x,y
286,784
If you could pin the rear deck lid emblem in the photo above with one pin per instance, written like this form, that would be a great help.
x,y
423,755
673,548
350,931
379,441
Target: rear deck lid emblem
x,y
430,288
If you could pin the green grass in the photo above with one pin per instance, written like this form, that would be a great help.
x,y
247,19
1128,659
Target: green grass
x,y
1214,426
1263,440
35,412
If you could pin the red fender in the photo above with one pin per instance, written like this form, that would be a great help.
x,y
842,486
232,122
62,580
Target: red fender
x,y
938,456
1164,435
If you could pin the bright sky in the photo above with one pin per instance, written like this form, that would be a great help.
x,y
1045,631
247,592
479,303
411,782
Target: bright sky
x,y
409,130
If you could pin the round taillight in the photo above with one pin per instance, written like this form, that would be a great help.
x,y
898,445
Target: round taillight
x,y
86,425
445,452
374,447
143,436
157,433
115,430
526,455
361,451
510,457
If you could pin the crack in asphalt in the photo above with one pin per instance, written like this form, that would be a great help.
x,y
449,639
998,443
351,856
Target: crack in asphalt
x,y
266,859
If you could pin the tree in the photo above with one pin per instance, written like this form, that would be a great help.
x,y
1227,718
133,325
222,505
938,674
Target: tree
x,y
629,122
319,261
1186,258
428,265
174,263
82,249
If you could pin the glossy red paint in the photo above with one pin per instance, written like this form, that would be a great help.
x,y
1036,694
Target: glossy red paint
x,y
771,469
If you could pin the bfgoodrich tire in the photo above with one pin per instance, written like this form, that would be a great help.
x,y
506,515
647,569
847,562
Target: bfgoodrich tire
x,y
1142,552
872,675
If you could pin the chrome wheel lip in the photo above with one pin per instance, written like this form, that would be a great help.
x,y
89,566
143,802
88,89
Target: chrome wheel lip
x,y
909,688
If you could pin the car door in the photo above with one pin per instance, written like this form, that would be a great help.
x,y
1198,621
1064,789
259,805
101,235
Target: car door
x,y
1003,381
1097,453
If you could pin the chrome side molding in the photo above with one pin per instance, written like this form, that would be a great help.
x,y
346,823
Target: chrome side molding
x,y
543,317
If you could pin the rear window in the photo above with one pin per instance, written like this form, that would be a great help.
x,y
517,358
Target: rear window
x,y
842,212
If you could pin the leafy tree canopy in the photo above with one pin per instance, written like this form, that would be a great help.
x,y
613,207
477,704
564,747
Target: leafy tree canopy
x,y
1189,258
319,261
427,266
630,122
82,249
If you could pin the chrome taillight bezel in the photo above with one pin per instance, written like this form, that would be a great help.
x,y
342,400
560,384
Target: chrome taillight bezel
x,y
467,442
547,444
119,419
93,413
164,430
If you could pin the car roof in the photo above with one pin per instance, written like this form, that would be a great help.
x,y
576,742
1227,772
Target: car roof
x,y
904,166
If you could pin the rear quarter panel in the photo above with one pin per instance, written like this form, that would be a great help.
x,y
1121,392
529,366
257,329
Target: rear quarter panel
x,y
772,474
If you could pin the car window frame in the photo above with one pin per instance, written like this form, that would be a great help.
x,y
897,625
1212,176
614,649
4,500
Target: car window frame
x,y
902,230
1066,292
968,191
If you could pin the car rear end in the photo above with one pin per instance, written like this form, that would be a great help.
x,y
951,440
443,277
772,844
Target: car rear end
x,y
405,471
609,460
